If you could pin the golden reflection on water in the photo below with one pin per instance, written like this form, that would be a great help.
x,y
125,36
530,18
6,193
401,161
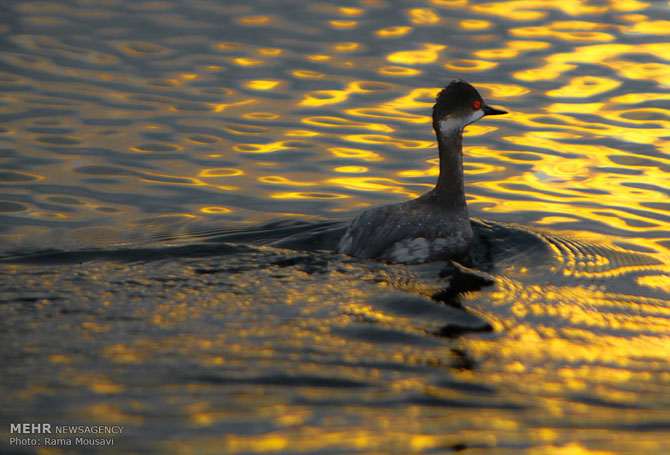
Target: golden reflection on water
x,y
162,130
568,150
562,344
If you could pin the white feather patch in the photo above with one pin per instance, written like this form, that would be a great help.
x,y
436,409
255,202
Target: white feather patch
x,y
476,115
410,250
451,123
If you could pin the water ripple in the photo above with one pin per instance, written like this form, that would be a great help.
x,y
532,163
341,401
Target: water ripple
x,y
145,145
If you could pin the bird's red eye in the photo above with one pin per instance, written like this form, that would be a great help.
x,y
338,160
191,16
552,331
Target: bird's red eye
x,y
477,105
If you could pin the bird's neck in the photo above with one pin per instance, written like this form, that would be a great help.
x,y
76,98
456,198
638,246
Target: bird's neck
x,y
450,191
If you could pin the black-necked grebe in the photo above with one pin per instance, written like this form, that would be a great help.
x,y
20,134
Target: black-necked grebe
x,y
435,226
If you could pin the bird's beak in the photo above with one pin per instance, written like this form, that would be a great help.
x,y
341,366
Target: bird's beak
x,y
488,110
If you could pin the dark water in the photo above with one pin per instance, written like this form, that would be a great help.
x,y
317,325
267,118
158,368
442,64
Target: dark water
x,y
175,176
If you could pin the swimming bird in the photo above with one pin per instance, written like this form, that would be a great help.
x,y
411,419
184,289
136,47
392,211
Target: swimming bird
x,y
436,225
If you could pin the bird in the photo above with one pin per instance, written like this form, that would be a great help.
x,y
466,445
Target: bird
x,y
435,226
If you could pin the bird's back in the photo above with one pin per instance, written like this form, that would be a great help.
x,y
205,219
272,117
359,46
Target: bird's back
x,y
409,232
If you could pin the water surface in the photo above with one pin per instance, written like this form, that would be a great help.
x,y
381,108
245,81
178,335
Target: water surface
x,y
175,176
